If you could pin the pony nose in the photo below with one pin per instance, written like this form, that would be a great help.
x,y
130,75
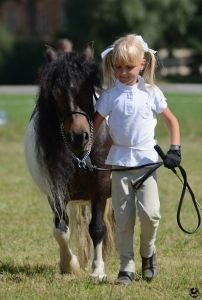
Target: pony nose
x,y
78,140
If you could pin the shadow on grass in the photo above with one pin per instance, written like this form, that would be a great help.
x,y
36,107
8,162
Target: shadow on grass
x,y
27,269
18,273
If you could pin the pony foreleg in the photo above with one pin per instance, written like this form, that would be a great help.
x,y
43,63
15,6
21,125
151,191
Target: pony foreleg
x,y
68,261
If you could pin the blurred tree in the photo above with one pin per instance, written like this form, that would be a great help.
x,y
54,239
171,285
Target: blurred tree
x,y
194,34
162,23
102,21
174,18
168,24
6,43
23,64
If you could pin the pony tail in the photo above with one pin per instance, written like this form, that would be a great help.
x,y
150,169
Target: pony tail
x,y
149,69
108,71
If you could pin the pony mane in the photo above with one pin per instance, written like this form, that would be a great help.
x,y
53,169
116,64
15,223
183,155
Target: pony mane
x,y
68,73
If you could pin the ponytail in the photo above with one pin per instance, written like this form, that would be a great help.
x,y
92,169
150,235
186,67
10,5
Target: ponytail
x,y
108,70
149,69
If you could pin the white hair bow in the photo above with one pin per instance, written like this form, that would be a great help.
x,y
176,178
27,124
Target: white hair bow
x,y
106,51
142,42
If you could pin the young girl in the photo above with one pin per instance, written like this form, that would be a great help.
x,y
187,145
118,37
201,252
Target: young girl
x,y
132,103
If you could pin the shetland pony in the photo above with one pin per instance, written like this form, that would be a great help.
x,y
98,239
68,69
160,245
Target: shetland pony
x,y
60,152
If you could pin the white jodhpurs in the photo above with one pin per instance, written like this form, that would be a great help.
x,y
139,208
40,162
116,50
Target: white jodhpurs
x,y
127,203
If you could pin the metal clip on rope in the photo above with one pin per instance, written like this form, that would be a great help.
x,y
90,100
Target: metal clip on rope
x,y
185,187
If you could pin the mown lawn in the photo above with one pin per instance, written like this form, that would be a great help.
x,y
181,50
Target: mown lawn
x,y
29,253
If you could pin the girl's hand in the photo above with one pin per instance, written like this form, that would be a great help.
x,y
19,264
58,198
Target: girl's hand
x,y
172,159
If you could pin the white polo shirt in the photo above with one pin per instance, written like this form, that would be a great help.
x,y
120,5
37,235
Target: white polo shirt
x,y
132,112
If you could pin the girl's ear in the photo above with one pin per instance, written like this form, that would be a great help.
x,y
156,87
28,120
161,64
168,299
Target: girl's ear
x,y
143,64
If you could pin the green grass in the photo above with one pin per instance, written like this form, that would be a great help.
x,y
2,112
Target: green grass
x,y
18,109
187,108
29,253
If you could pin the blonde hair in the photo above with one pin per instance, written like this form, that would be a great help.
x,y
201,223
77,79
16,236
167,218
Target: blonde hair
x,y
128,50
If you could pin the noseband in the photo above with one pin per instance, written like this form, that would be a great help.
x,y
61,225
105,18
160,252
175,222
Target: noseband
x,y
81,162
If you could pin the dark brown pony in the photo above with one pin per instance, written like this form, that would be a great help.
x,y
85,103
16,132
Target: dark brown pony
x,y
60,151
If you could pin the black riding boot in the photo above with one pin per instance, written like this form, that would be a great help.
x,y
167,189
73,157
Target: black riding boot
x,y
149,267
125,278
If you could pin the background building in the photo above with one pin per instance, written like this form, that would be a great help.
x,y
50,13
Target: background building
x,y
32,19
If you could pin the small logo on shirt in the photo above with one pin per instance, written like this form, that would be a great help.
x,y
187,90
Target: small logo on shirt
x,y
194,292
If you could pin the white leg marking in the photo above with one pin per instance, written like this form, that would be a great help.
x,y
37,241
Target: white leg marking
x,y
98,264
68,261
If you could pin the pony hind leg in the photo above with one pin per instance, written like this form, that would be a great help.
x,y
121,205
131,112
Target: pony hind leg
x,y
61,231
97,230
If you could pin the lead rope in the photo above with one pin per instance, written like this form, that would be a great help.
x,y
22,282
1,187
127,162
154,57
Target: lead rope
x,y
154,166
136,185
185,187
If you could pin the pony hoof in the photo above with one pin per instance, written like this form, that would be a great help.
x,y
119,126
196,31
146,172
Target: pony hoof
x,y
73,267
98,277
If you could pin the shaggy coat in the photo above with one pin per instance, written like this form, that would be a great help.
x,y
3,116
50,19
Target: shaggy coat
x,y
66,100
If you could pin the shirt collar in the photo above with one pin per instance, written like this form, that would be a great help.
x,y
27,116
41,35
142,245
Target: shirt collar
x,y
131,88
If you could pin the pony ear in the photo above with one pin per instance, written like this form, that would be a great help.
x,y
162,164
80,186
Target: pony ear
x,y
50,53
88,52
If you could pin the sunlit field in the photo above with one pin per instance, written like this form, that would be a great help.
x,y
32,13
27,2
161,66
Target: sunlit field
x,y
29,254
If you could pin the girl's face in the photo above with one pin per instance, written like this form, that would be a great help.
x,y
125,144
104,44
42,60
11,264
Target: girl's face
x,y
128,74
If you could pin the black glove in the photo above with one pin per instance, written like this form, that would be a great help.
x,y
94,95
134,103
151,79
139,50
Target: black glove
x,y
172,159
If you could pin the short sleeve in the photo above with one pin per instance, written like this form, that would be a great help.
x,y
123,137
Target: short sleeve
x,y
103,105
159,101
